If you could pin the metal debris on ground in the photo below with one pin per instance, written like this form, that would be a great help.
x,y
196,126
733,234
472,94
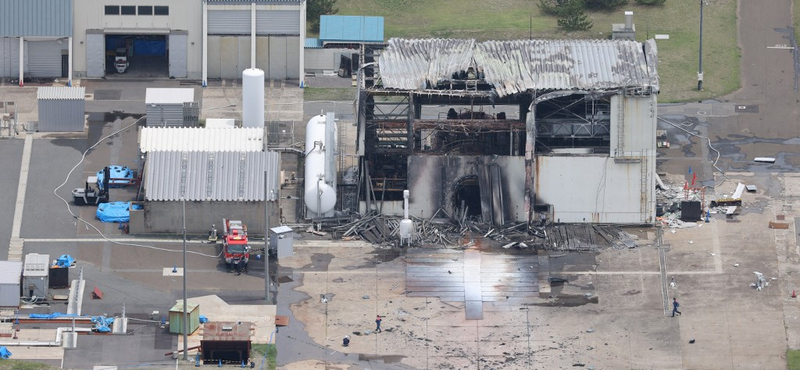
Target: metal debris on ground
x,y
443,230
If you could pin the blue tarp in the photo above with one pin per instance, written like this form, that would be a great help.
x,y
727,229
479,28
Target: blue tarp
x,y
150,47
102,323
114,212
203,319
120,176
4,352
49,316
65,260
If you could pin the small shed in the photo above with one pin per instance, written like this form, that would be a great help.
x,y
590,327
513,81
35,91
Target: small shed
x,y
228,342
35,275
10,278
282,240
171,107
61,109
176,317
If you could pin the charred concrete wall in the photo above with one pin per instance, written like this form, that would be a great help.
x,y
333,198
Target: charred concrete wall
x,y
433,183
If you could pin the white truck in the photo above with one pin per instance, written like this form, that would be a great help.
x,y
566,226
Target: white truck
x,y
121,60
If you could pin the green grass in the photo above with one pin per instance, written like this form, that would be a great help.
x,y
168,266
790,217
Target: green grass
x,y
796,18
23,365
793,358
517,19
257,354
311,93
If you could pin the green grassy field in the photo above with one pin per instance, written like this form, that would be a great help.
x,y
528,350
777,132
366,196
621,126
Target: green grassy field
x,y
793,358
257,355
519,19
23,365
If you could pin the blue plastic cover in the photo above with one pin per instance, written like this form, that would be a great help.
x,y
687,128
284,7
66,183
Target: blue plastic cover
x,y
4,352
114,212
203,319
101,323
65,260
49,316
150,47
120,176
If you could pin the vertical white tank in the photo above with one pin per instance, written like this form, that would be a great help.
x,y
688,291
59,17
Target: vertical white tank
x,y
406,227
253,98
320,196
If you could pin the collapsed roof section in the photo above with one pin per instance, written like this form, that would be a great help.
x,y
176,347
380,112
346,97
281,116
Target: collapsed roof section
x,y
518,66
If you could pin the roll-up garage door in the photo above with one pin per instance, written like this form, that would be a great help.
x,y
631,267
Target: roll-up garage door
x,y
177,54
9,57
228,22
44,58
278,22
95,54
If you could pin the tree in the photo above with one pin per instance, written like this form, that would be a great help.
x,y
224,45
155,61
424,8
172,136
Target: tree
x,y
571,16
316,8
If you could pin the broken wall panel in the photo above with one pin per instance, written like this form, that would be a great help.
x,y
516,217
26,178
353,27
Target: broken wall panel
x,y
434,182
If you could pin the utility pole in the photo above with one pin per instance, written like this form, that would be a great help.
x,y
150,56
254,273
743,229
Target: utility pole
x,y
266,236
185,314
700,67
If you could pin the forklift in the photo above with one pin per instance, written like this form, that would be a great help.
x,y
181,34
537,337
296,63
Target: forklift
x,y
92,195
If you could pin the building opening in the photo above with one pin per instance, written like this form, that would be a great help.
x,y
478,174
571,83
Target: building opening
x,y
468,197
137,56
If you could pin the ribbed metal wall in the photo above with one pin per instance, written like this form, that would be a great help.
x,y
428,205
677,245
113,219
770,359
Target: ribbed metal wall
x,y
9,57
229,22
165,115
95,54
44,58
278,22
177,54
61,109
36,18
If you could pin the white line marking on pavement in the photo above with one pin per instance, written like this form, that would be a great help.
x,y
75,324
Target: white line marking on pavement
x,y
16,244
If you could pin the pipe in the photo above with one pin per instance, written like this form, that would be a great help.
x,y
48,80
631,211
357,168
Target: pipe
x,y
293,150
205,44
405,204
253,35
21,61
302,58
69,61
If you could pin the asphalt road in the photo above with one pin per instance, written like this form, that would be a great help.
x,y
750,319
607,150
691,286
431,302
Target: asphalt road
x,y
11,154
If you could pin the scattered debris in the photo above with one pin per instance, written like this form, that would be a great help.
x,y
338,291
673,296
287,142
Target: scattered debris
x,y
590,330
751,188
778,225
691,341
760,281
735,265
365,297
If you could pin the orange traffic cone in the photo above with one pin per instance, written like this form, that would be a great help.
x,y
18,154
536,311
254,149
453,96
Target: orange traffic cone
x,y
794,295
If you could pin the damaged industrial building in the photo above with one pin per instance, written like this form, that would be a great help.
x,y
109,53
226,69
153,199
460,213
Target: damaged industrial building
x,y
499,132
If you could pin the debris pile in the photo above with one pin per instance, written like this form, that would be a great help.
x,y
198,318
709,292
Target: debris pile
x,y
382,229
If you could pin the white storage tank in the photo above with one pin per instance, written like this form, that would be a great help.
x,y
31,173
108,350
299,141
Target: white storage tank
x,y
320,166
253,98
10,277
35,275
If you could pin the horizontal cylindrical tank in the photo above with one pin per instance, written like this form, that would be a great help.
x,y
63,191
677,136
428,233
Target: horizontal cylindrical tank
x,y
320,197
253,98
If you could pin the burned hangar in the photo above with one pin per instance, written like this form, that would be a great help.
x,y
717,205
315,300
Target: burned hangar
x,y
509,131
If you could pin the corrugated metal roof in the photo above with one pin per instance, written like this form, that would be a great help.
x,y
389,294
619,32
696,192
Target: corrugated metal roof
x,y
523,65
198,139
216,176
61,93
168,95
313,43
10,272
36,264
350,28
35,18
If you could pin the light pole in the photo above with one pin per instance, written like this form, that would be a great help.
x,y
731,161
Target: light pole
x,y
700,67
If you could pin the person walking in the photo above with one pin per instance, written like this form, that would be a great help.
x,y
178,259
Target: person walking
x,y
378,324
346,341
675,306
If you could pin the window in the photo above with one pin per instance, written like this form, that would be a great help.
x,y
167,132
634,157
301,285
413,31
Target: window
x,y
128,10
112,9
145,10
161,10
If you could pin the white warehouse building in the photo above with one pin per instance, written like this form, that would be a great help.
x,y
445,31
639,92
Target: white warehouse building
x,y
192,39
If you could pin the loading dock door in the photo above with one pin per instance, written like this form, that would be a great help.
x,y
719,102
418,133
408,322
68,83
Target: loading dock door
x,y
44,58
177,54
9,57
95,54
